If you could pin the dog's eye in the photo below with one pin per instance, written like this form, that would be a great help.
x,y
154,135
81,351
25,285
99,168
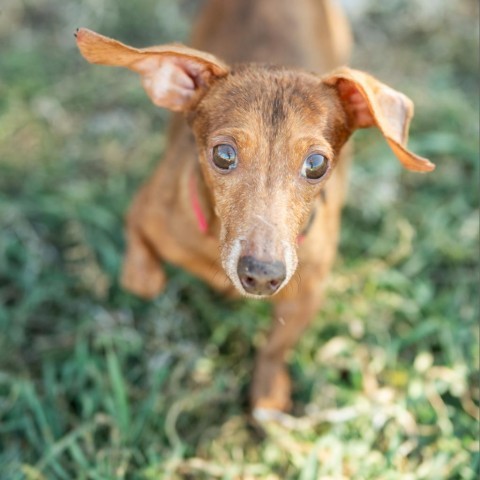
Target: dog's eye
x,y
315,166
225,157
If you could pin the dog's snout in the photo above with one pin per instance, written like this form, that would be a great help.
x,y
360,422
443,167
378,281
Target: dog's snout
x,y
260,278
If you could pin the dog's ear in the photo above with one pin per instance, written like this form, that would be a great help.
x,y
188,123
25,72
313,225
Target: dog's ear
x,y
174,76
369,103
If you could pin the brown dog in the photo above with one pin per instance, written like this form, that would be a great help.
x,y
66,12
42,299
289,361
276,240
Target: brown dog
x,y
252,184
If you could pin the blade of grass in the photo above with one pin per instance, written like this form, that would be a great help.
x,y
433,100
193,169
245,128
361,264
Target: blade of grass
x,y
119,391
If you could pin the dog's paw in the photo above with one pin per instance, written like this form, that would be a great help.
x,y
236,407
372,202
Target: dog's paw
x,y
268,415
145,282
271,390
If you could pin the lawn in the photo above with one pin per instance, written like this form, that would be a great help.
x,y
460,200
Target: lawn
x,y
96,384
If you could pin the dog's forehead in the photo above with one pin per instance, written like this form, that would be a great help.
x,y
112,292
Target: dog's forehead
x,y
271,97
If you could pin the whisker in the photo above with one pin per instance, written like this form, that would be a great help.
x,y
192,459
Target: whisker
x,y
298,280
217,274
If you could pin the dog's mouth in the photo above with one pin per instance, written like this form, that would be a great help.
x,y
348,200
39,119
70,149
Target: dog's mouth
x,y
258,278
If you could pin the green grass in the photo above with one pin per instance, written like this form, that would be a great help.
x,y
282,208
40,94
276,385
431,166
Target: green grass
x,y
96,384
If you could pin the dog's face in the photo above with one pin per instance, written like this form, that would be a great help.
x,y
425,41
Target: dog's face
x,y
268,140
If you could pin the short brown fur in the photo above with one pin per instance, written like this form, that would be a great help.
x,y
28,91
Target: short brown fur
x,y
274,117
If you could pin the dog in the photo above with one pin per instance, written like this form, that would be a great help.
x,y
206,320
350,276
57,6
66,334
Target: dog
x,y
250,190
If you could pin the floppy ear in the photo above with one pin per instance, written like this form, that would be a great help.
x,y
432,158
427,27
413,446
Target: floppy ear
x,y
369,103
174,76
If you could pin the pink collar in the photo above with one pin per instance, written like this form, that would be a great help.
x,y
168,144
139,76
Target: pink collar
x,y
196,207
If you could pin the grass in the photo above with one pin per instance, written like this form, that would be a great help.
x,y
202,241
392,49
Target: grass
x,y
96,384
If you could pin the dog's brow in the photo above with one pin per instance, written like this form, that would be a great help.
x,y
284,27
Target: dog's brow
x,y
277,111
317,142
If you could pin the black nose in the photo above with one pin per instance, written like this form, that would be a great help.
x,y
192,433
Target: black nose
x,y
260,278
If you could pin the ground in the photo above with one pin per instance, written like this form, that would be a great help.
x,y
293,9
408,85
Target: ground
x,y
96,384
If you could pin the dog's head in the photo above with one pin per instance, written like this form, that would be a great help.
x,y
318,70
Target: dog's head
x,y
268,139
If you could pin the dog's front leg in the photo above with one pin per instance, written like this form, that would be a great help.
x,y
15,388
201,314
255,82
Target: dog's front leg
x,y
142,272
271,386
